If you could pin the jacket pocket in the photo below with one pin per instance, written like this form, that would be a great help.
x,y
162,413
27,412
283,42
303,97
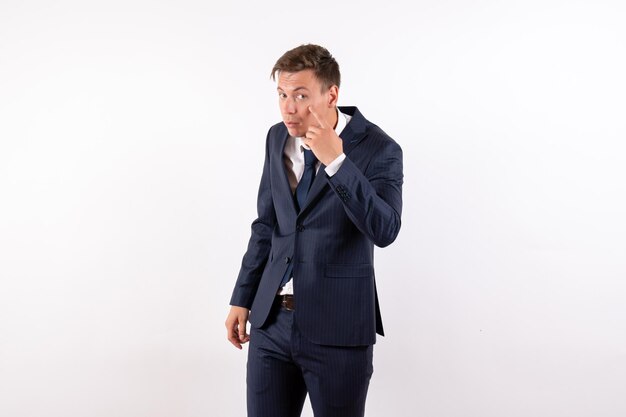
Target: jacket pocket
x,y
348,270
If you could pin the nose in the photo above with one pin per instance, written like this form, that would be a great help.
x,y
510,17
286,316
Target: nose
x,y
289,105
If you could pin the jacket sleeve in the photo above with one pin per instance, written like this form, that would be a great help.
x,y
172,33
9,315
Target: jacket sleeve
x,y
260,242
373,199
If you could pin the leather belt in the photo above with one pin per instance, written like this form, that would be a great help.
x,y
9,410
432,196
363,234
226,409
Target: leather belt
x,y
287,302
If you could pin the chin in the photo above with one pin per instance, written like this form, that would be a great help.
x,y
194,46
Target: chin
x,y
295,132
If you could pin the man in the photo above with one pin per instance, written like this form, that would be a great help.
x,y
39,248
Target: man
x,y
331,189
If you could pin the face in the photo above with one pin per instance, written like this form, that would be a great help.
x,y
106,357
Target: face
x,y
299,90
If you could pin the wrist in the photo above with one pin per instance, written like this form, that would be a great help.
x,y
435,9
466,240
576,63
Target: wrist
x,y
334,165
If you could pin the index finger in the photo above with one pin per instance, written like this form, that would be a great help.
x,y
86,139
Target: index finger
x,y
317,117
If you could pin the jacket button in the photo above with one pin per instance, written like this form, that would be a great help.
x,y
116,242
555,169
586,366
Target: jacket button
x,y
300,228
287,259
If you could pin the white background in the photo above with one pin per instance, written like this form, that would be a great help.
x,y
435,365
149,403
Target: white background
x,y
131,143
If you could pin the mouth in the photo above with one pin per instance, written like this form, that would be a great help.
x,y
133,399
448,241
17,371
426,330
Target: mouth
x,y
291,124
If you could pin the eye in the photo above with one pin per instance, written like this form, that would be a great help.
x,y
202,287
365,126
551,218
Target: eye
x,y
300,97
282,95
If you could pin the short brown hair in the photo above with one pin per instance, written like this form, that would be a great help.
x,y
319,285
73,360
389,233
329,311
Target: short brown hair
x,y
312,57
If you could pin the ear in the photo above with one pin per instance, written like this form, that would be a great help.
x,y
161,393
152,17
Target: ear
x,y
333,96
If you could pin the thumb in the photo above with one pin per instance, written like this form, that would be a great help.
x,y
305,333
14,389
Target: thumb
x,y
242,329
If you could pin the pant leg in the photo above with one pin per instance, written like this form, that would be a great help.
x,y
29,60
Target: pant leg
x,y
336,377
275,387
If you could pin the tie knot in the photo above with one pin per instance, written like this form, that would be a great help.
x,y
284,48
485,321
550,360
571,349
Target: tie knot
x,y
309,158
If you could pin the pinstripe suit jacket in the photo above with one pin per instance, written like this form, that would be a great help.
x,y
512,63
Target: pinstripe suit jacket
x,y
330,241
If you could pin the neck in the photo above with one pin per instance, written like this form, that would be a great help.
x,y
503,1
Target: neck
x,y
335,117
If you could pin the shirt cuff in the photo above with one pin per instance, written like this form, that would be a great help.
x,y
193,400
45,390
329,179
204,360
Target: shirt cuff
x,y
334,166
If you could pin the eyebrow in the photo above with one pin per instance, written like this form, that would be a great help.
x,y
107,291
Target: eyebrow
x,y
295,89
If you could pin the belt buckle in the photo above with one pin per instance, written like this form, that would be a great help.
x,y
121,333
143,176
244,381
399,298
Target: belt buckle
x,y
287,302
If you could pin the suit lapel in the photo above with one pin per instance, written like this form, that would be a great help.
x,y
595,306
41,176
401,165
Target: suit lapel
x,y
354,131
283,180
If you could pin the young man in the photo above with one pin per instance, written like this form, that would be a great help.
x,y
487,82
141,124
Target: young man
x,y
331,189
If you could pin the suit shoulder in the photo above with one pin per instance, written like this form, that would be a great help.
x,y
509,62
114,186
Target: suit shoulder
x,y
277,130
379,138
274,135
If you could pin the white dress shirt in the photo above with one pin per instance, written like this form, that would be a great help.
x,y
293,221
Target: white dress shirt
x,y
294,161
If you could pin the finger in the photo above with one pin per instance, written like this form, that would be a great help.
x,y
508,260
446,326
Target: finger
x,y
233,339
243,335
242,332
318,118
315,130
231,332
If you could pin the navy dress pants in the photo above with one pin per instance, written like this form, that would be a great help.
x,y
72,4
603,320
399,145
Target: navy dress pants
x,y
283,366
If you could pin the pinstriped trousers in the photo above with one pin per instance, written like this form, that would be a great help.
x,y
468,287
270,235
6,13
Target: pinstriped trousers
x,y
283,366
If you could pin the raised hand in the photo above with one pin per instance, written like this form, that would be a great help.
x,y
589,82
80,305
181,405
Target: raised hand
x,y
323,140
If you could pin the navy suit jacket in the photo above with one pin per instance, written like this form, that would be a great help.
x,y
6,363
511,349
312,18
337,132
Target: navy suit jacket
x,y
330,241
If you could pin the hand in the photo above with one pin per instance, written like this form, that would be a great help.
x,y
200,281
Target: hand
x,y
236,326
323,140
